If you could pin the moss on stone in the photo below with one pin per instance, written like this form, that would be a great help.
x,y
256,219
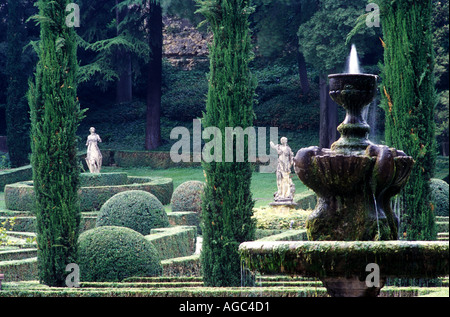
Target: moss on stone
x,y
345,259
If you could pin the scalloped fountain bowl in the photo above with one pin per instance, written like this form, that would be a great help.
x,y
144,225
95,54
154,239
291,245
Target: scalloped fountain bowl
x,y
341,265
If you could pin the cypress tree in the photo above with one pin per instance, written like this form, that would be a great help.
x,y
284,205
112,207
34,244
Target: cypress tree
x,y
55,115
17,118
409,100
227,203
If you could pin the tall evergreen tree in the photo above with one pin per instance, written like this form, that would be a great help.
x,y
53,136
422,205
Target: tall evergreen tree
x,y
55,115
227,204
17,118
409,101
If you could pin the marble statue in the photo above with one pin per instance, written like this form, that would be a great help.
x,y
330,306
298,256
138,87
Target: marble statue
x,y
286,187
94,156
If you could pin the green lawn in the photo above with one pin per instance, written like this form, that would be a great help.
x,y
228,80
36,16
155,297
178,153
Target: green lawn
x,y
263,185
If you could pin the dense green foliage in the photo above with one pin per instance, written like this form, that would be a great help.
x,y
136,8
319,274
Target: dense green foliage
x,y
409,101
135,209
227,202
113,253
188,197
440,197
55,115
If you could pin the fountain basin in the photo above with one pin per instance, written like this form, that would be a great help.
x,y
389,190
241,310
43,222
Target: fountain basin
x,y
354,192
341,265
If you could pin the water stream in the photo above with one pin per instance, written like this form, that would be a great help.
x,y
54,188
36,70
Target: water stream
x,y
353,62
376,212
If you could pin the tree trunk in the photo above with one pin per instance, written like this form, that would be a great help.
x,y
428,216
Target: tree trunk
x,y
333,119
153,126
124,88
304,83
323,129
328,115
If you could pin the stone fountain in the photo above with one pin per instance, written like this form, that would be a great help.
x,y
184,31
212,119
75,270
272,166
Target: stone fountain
x,y
353,224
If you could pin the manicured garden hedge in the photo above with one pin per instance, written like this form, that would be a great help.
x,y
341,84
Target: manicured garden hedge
x,y
132,289
15,175
188,197
183,218
20,196
18,254
111,253
135,209
289,235
26,222
183,266
20,270
103,179
440,197
174,242
305,200
278,218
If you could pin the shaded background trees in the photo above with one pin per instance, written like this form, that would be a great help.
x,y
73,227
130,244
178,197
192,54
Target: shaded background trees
x,y
296,43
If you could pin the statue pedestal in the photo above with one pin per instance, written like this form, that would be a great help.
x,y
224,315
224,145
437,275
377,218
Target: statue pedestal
x,y
283,205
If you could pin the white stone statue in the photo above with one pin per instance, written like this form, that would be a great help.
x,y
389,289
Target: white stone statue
x,y
286,187
94,156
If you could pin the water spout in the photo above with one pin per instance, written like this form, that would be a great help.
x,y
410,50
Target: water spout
x,y
376,212
353,62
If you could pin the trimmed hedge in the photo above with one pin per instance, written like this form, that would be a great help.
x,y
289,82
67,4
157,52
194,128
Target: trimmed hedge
x,y
28,223
188,197
183,266
18,254
103,179
440,197
174,242
92,198
262,233
20,196
112,253
33,289
183,218
305,200
278,218
20,270
135,209
15,175
290,235
154,159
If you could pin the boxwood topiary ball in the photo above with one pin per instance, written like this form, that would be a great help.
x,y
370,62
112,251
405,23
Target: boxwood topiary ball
x,y
188,196
439,196
135,209
110,254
